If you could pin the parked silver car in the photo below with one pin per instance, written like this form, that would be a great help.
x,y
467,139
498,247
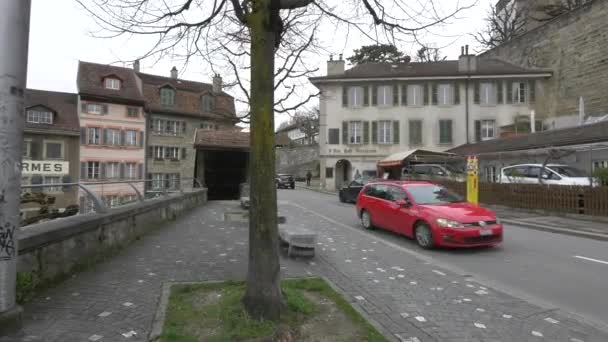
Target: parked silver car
x,y
553,174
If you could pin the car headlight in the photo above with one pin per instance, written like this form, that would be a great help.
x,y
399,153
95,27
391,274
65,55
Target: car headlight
x,y
445,223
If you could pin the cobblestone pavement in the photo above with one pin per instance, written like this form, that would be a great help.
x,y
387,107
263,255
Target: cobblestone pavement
x,y
408,298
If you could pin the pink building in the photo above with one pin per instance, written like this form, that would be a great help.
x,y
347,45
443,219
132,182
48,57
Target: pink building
x,y
112,131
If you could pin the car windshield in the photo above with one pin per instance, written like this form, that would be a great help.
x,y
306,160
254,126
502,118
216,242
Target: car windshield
x,y
568,171
433,194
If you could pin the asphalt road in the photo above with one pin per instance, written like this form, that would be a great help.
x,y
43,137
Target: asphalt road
x,y
557,271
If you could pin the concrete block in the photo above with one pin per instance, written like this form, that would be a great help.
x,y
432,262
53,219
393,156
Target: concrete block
x,y
298,241
11,321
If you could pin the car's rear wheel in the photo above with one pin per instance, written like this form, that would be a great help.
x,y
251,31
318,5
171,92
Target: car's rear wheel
x,y
366,220
424,236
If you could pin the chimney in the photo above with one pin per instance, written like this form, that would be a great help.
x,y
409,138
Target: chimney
x,y
467,63
174,73
217,83
335,67
136,65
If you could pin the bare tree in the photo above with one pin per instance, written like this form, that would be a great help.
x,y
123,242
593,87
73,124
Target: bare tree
x,y
501,26
429,54
260,40
308,123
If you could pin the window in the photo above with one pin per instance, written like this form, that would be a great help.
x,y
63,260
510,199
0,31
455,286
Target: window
x,y
27,149
519,92
415,95
385,132
53,150
94,135
490,173
355,96
208,103
172,152
111,201
93,170
167,97
333,136
385,95
43,117
433,194
131,171
158,180
168,127
445,131
172,127
132,112
415,132
131,138
329,172
173,182
487,129
52,180
158,152
158,126
207,126
112,170
129,199
112,136
444,95
94,108
112,83
487,93
396,194
354,132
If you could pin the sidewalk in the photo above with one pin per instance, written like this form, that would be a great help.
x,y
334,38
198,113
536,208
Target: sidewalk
x,y
407,298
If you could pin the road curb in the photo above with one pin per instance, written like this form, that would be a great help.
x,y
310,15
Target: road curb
x,y
557,230
316,190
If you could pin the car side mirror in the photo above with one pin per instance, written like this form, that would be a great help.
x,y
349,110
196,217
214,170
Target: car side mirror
x,y
403,203
545,176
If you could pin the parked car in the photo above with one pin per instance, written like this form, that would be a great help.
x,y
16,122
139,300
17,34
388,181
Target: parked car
x,y
349,193
427,212
429,171
554,174
285,181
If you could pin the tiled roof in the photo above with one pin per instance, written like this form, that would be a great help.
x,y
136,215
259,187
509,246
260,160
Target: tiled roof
x,y
224,138
187,98
91,76
64,105
485,66
586,134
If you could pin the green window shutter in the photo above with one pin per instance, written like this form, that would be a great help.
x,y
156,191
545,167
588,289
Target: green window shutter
x,y
104,109
435,89
395,95
499,92
476,97
509,92
83,107
456,89
374,132
532,91
374,95
366,96
425,100
345,132
404,94
415,132
477,130
396,133
344,96
365,132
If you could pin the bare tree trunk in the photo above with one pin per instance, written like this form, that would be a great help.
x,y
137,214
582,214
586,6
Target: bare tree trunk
x,y
263,298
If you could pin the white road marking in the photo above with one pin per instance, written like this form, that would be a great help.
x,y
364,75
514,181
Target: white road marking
x,y
405,315
439,272
591,259
95,337
551,320
104,314
537,333
420,319
480,325
507,316
359,298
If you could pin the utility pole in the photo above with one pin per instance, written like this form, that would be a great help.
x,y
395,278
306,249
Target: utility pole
x,y
14,36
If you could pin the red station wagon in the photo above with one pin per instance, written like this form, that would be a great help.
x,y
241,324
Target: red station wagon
x,y
428,212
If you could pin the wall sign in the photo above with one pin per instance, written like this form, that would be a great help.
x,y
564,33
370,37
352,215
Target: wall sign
x,y
44,167
350,150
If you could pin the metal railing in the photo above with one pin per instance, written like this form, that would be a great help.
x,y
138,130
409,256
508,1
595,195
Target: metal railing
x,y
95,197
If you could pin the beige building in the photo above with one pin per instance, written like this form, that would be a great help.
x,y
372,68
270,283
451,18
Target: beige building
x,y
377,109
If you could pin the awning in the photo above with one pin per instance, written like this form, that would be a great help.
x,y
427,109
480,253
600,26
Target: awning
x,y
397,159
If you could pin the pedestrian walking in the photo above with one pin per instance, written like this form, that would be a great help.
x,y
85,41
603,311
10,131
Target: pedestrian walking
x,y
308,177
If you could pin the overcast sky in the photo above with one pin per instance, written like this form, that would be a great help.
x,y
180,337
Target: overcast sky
x,y
61,34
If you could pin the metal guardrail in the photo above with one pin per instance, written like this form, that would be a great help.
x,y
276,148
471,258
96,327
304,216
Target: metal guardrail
x,y
98,203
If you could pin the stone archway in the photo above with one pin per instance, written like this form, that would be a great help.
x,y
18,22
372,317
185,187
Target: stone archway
x,y
343,173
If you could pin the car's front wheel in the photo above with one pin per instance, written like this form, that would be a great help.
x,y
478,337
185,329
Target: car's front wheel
x,y
424,236
366,220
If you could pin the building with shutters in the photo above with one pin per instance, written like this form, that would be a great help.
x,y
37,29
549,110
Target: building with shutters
x,y
376,109
176,108
50,146
112,131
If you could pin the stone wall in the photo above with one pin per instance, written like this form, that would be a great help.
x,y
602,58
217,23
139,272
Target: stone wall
x,y
575,47
50,251
298,160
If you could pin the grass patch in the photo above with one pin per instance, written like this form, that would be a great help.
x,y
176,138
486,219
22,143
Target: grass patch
x,y
214,312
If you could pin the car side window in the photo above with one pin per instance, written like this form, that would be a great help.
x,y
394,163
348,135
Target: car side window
x,y
437,171
397,194
548,174
421,170
369,191
381,191
533,172
355,183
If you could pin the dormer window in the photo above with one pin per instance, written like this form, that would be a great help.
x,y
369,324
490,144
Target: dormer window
x,y
167,96
208,103
112,83
40,117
